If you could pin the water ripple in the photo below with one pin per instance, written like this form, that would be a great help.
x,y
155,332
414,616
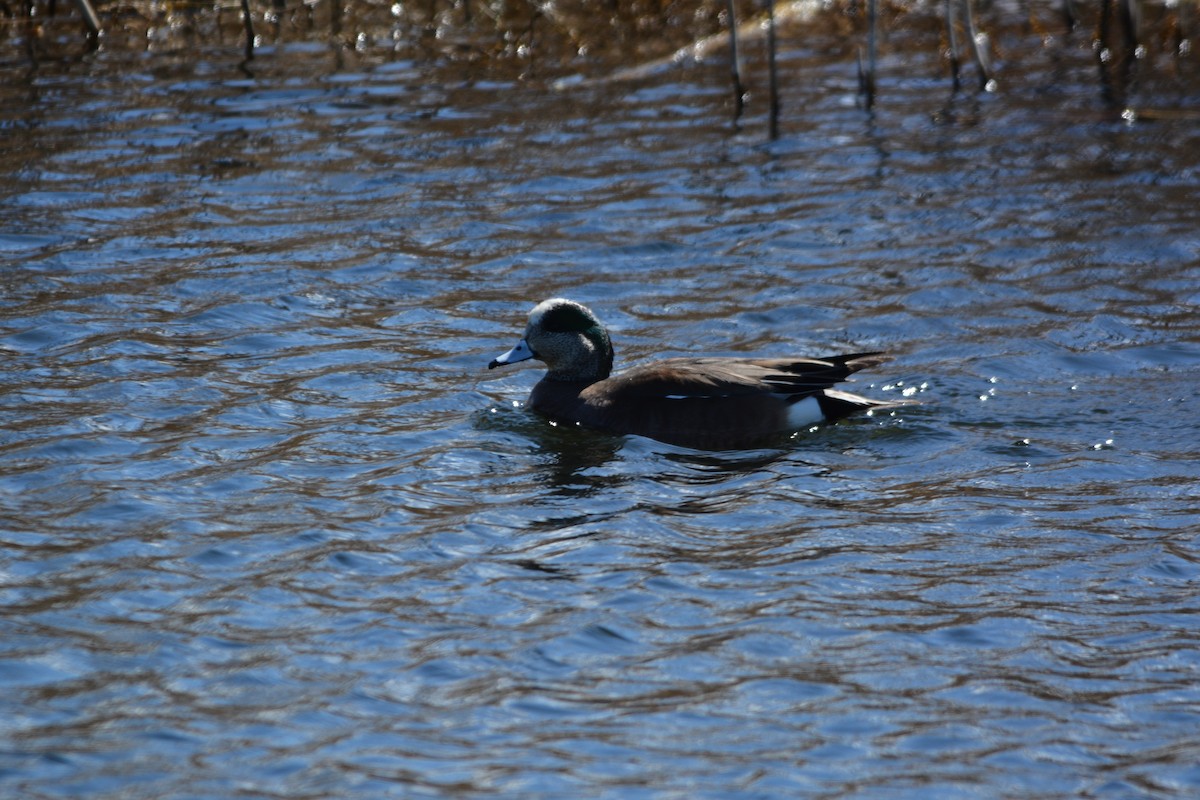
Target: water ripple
x,y
268,525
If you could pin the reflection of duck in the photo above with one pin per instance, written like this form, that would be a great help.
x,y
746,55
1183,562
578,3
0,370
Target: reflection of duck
x,y
713,403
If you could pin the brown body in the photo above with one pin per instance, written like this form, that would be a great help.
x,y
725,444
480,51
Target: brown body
x,y
713,403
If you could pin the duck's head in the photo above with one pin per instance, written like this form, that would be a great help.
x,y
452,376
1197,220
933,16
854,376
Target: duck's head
x,y
568,338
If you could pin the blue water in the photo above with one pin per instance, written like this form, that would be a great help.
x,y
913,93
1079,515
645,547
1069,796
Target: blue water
x,y
269,527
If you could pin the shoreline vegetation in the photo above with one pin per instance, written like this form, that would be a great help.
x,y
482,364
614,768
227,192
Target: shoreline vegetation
x,y
1132,43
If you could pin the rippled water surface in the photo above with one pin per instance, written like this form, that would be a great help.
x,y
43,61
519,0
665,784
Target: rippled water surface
x,y
270,528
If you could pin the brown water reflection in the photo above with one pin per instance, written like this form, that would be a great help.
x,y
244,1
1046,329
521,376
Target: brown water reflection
x,y
268,525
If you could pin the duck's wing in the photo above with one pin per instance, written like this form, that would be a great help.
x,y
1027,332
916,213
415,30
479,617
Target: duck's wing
x,y
686,378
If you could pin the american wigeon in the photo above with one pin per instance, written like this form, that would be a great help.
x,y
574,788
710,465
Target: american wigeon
x,y
711,403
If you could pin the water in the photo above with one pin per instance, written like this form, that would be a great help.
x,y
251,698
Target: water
x,y
270,528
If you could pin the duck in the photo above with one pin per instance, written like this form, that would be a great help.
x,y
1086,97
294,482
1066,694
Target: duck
x,y
698,402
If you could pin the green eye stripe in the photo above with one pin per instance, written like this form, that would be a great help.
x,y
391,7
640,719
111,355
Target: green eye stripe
x,y
595,334
562,319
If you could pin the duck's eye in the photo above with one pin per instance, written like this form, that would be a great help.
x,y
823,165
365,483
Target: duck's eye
x,y
564,319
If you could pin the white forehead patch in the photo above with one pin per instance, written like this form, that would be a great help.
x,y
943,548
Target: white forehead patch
x,y
535,316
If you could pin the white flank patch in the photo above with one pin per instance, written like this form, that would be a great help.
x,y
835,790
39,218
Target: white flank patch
x,y
804,413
